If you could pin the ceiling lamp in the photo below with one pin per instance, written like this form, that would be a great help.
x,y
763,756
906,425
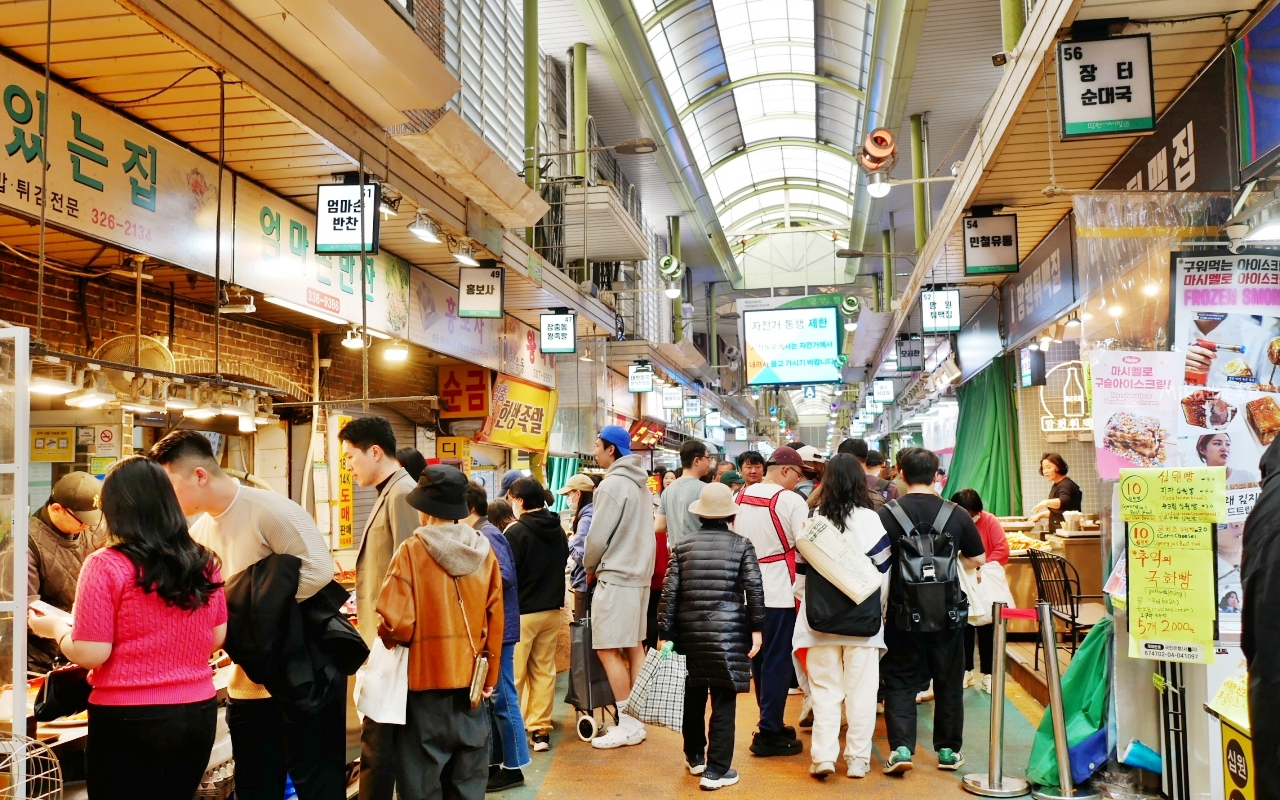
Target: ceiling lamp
x,y
353,340
465,255
397,351
851,326
1033,346
878,185
203,408
425,228
246,425
301,309
92,396
635,147
43,384
389,205
672,290
181,397
1073,321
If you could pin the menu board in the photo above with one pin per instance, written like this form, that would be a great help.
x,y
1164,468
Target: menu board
x,y
1134,421
1172,580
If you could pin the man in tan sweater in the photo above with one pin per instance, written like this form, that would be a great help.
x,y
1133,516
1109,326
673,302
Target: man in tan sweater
x,y
244,525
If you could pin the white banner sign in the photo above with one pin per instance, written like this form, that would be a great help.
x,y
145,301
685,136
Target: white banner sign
x,y
910,354
338,215
434,323
883,391
672,397
739,434
480,292
1105,87
523,358
713,419
640,378
991,244
559,333
940,311
692,407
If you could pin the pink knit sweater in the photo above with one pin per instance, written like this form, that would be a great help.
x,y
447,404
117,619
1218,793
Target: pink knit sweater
x,y
159,653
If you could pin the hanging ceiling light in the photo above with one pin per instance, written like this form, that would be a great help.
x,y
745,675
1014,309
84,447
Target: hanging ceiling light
x,y
353,340
43,384
91,396
672,290
397,351
878,184
203,407
465,255
426,228
180,397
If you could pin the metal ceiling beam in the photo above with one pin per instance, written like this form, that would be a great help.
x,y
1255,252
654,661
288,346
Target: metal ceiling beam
x,y
754,193
621,40
667,11
832,217
775,184
769,144
825,81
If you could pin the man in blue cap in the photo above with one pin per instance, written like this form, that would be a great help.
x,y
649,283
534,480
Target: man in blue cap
x,y
619,555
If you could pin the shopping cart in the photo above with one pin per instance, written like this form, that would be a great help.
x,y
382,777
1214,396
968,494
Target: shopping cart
x,y
589,692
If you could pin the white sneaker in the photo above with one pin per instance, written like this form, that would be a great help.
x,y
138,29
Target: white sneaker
x,y
858,768
986,684
970,678
880,708
926,695
821,769
620,735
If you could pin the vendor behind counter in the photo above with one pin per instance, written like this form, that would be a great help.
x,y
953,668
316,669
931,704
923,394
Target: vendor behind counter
x,y
1064,493
59,539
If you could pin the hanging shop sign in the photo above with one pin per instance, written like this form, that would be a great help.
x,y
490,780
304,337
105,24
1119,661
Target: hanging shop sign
x,y
523,358
979,341
559,333
275,254
739,434
882,391
1045,286
1064,403
991,244
910,353
692,407
480,292
53,445
522,416
109,178
1105,87
672,397
713,419
1188,151
464,391
640,378
454,450
342,525
339,211
1135,397
434,323
940,311
1031,367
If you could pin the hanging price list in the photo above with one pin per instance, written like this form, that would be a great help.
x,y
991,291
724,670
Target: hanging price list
x,y
1156,494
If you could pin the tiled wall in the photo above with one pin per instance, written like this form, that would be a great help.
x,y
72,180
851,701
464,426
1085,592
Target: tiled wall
x,y
1079,455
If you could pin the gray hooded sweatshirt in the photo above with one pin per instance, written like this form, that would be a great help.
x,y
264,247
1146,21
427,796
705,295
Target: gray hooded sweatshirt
x,y
621,544
458,549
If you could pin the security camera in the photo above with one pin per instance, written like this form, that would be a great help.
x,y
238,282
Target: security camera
x,y
999,59
1236,234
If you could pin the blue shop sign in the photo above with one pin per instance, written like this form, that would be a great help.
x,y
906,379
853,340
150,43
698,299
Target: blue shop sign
x,y
1046,285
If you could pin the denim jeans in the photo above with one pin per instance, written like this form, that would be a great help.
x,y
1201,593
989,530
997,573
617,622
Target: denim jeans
x,y
506,706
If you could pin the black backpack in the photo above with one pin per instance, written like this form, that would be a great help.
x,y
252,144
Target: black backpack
x,y
927,596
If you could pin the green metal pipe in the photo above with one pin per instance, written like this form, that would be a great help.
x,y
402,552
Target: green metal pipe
x,y
918,170
1012,21
713,345
580,142
532,83
677,304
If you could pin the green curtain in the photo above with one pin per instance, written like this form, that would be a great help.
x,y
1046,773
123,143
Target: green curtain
x,y
559,471
986,454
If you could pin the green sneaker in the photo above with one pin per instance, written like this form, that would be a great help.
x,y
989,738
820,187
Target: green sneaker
x,y
899,761
949,759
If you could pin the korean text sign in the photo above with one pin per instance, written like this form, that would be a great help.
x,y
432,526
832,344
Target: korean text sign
x,y
1173,495
1135,397
991,244
1105,87
523,357
480,292
793,345
339,211
344,510
522,415
940,311
465,390
434,323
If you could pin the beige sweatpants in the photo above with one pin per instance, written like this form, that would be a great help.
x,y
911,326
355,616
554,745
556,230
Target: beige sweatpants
x,y
535,663
848,676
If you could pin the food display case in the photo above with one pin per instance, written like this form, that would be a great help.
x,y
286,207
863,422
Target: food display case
x,y
15,404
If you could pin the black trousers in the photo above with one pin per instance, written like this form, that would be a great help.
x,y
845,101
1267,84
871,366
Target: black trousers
x,y
773,669
713,740
158,752
911,660
377,760
986,635
651,619
442,752
267,744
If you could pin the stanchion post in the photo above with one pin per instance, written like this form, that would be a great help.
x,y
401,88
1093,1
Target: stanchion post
x,y
994,783
1066,787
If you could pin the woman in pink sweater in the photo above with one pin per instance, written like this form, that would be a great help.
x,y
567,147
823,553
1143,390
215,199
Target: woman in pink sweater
x,y
149,612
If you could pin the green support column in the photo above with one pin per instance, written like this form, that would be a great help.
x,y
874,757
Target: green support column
x,y
713,345
1012,22
580,142
532,81
677,303
918,171
886,243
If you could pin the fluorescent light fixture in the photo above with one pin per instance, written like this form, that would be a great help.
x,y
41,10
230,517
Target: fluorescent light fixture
x,y
378,334
396,351
466,256
237,407
878,184
1116,311
180,397
91,396
353,340
246,425
1266,231
43,384
1151,290
201,412
426,229
301,309
672,290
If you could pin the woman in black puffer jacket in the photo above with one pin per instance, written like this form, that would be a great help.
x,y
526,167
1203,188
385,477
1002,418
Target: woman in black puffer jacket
x,y
712,608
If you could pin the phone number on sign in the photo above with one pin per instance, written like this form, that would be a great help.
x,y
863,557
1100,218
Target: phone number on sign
x,y
112,223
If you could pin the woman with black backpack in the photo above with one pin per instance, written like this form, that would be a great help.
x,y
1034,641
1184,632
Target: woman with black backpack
x,y
838,641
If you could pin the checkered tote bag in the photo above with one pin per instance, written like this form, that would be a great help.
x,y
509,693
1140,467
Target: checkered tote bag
x,y
657,697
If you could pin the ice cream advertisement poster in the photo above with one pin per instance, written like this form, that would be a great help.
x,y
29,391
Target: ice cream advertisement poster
x,y
1226,319
1135,399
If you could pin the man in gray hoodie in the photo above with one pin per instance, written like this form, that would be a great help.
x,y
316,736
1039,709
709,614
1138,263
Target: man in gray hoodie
x,y
619,554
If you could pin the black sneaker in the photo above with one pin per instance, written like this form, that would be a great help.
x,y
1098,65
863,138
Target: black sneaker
x,y
774,744
500,779
714,780
541,741
696,764
789,731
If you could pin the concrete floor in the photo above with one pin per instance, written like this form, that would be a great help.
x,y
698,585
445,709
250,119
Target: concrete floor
x,y
573,769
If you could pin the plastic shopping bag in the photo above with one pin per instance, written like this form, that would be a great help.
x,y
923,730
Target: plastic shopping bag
x,y
658,694
979,601
996,584
382,684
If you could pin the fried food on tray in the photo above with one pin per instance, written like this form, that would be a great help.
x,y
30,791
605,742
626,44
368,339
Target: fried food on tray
x,y
1136,437
1264,418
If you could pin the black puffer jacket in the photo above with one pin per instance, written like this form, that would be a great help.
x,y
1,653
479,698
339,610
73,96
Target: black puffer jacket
x,y
712,599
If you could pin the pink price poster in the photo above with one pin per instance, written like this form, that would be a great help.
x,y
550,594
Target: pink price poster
x,y
1135,409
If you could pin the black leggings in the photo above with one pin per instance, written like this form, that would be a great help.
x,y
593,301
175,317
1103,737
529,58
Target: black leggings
x,y
156,752
985,635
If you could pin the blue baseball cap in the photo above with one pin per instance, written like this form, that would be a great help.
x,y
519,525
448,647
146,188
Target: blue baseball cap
x,y
617,436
